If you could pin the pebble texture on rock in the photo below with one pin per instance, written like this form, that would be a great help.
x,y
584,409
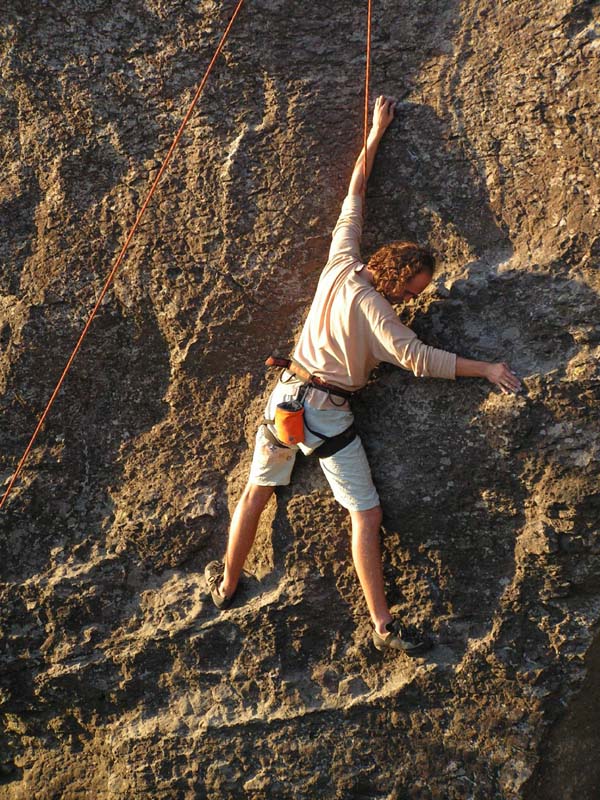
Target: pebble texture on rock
x,y
118,678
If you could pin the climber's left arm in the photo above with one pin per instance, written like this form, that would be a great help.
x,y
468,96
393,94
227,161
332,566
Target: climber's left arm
x,y
383,114
499,374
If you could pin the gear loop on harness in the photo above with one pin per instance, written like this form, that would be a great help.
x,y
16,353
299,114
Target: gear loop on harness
x,y
332,401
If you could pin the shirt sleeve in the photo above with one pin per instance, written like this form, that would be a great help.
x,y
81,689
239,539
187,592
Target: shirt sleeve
x,y
397,344
348,229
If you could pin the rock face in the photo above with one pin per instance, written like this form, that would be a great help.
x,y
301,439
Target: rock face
x,y
118,677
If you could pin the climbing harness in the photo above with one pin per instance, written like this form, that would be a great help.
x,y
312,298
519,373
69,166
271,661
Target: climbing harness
x,y
333,444
314,382
289,421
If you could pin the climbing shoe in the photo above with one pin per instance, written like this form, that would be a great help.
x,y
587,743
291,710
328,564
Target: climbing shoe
x,y
406,638
214,577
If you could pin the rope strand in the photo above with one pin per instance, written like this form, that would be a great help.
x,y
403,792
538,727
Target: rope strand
x,y
367,80
122,253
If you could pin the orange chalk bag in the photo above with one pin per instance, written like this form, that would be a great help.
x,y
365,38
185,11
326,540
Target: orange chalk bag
x,y
289,422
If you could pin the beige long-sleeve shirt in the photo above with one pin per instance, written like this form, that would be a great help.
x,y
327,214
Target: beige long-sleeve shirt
x,y
351,327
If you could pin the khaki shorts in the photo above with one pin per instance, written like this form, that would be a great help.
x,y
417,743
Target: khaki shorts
x,y
347,471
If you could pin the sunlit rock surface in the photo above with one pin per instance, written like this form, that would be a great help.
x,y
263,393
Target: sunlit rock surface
x,y
119,679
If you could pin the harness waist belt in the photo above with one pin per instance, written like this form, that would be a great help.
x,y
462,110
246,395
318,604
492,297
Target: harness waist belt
x,y
300,372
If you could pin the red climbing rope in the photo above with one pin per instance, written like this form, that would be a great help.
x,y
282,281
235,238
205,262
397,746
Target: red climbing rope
x,y
367,79
123,251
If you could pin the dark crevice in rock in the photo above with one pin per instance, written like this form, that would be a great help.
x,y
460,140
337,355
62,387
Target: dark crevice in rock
x,y
568,767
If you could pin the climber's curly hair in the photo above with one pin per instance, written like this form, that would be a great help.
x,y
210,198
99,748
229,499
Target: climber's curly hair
x,y
396,263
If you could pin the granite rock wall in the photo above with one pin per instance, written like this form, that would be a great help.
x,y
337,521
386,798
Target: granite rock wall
x,y
118,677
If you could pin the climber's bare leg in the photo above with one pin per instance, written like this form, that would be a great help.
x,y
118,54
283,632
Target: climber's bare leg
x,y
366,552
242,532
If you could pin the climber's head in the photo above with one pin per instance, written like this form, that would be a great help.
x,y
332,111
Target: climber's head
x,y
401,270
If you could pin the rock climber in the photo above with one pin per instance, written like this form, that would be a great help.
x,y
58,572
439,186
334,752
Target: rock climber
x,y
350,328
